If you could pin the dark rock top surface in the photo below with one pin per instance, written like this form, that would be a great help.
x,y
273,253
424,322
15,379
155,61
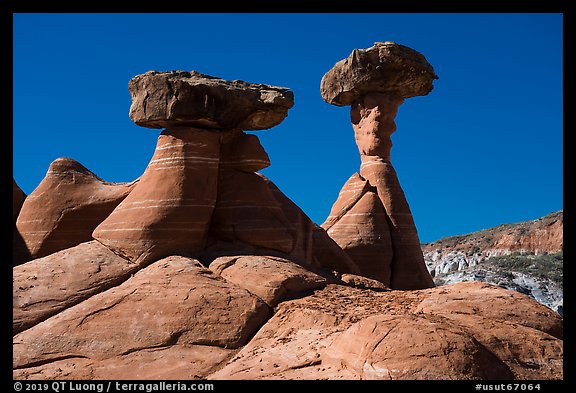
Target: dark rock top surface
x,y
386,67
191,99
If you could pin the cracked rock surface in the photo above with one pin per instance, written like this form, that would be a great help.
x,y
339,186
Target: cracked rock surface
x,y
173,302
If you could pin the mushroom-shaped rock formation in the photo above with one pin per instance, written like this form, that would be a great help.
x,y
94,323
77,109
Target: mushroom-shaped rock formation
x,y
201,185
65,208
371,219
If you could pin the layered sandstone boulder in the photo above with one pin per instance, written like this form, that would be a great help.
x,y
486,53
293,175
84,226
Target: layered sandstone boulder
x,y
272,279
66,206
371,219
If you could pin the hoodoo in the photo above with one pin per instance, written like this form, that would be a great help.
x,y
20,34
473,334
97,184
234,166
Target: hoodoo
x,y
204,269
371,219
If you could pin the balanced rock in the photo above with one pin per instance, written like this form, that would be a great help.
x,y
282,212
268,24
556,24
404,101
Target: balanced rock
x,y
385,67
371,219
201,181
181,98
66,206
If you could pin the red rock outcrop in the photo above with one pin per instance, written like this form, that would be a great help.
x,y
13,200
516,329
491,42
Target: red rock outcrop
x,y
312,245
66,206
45,286
347,333
247,211
539,236
174,302
206,270
201,185
272,279
169,211
371,219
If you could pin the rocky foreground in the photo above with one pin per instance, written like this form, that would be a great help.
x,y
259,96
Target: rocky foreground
x,y
203,269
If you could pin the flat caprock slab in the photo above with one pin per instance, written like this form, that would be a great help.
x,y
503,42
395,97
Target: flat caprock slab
x,y
182,98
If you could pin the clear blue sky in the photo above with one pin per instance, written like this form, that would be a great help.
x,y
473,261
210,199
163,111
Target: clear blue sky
x,y
483,148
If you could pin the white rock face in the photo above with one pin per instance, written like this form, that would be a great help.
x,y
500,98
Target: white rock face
x,y
446,261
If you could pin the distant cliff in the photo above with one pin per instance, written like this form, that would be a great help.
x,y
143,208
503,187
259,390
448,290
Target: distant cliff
x,y
526,257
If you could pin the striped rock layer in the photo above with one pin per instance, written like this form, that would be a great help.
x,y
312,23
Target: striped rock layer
x,y
201,192
371,220
65,208
169,211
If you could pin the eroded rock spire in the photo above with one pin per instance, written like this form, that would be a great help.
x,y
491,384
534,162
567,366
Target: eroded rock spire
x,y
371,219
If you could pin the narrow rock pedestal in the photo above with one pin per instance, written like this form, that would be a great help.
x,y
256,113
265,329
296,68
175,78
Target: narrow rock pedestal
x,y
371,219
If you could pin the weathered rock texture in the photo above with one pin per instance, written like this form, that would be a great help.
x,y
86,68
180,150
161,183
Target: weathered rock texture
x,y
386,67
470,330
371,219
465,331
272,279
182,98
174,302
45,286
66,206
